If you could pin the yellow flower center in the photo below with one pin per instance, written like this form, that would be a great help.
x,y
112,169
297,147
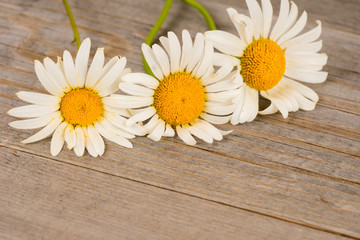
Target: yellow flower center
x,y
179,99
262,64
81,106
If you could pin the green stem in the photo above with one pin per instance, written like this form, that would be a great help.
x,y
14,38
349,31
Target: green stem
x,y
150,38
204,12
73,24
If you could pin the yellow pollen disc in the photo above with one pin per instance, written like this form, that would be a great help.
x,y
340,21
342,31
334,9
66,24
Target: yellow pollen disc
x,y
81,106
262,64
179,99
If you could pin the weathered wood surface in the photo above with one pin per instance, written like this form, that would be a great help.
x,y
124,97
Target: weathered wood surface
x,y
274,178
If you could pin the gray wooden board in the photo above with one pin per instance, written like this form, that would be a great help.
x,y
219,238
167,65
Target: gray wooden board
x,y
274,178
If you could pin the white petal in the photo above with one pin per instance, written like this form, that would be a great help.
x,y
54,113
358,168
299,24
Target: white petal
x,y
162,59
112,75
38,98
114,86
81,61
141,116
35,122
80,141
151,61
306,76
95,69
210,129
108,66
48,82
219,75
215,119
279,102
169,131
256,17
165,42
222,97
302,89
245,28
141,78
135,89
226,42
232,13
158,131
223,60
218,108
70,136
287,98
221,86
58,138
45,132
125,101
239,104
295,30
305,104
118,111
60,66
307,37
286,95
175,52
206,60
250,106
96,139
185,135
307,58
267,12
30,111
186,50
288,22
89,144
283,97
69,69
281,21
114,129
151,124
197,52
210,71
198,132
269,110
120,122
113,137
308,67
304,48
56,73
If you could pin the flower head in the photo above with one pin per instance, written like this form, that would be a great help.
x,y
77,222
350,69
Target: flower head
x,y
186,94
76,111
271,60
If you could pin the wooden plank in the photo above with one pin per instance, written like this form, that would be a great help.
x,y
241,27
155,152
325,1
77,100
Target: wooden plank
x,y
248,181
303,169
46,199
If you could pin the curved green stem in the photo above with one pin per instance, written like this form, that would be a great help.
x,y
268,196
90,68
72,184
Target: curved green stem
x,y
73,24
150,38
204,12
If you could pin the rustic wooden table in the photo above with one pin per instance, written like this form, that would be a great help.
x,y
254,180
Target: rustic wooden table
x,y
274,178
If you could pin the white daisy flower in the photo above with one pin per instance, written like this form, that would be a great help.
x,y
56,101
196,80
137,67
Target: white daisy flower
x,y
271,61
76,112
186,94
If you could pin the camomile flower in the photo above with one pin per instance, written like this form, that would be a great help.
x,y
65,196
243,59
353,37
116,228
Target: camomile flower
x,y
75,111
186,95
271,62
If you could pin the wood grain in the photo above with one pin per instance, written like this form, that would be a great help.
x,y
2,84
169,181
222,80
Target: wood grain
x,y
58,194
274,178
